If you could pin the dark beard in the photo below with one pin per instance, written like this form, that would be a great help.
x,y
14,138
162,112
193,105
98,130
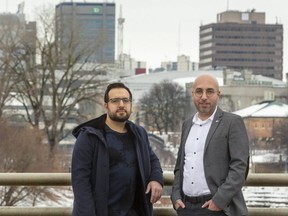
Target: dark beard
x,y
116,118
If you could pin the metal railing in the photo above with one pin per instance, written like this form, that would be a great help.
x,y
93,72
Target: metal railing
x,y
64,179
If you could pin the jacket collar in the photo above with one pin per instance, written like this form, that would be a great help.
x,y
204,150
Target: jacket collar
x,y
98,124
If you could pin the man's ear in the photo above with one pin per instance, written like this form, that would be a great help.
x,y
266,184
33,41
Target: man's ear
x,y
105,106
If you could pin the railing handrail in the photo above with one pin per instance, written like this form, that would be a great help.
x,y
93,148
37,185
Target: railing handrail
x,y
64,179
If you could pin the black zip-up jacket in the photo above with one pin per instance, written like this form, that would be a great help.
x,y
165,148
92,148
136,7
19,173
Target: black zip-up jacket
x,y
90,168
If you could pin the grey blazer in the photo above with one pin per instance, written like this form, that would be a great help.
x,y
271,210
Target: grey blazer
x,y
226,161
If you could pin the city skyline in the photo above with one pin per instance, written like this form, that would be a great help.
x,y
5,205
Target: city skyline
x,y
157,31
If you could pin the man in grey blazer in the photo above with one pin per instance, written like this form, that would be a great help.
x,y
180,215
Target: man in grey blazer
x,y
213,157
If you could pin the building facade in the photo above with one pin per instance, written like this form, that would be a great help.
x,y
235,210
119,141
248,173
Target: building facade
x,y
86,30
18,41
267,128
183,64
242,40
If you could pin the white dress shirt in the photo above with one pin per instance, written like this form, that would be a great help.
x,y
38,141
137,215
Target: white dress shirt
x,y
194,183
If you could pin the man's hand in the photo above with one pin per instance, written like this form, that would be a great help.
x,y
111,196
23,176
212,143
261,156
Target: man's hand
x,y
156,191
178,204
211,206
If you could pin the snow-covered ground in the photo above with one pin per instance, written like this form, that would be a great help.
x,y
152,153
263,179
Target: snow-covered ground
x,y
273,197
269,156
57,197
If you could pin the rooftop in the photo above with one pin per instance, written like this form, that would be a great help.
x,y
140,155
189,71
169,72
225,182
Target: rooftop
x,y
265,109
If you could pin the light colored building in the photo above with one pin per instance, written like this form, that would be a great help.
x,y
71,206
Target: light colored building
x,y
128,66
18,39
140,84
238,89
183,63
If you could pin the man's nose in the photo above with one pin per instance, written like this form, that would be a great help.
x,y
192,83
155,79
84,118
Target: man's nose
x,y
204,95
121,103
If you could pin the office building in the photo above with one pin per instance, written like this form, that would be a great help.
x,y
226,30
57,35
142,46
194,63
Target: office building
x,y
18,41
242,40
86,31
183,64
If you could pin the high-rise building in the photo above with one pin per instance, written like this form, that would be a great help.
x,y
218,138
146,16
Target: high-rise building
x,y
18,40
86,31
242,40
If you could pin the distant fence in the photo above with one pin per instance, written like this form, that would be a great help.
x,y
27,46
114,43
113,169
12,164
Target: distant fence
x,y
64,179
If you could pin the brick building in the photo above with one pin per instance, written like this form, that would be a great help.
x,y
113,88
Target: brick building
x,y
267,126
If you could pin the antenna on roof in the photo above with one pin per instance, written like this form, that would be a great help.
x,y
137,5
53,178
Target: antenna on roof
x,y
227,5
179,38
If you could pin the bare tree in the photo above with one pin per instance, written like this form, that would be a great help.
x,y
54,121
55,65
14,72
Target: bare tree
x,y
21,151
6,86
56,87
10,48
164,106
280,135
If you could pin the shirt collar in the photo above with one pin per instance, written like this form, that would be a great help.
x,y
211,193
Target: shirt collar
x,y
198,120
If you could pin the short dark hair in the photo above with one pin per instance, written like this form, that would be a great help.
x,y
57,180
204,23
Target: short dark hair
x,y
115,85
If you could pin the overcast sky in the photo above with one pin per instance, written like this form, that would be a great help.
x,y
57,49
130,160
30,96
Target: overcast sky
x,y
159,30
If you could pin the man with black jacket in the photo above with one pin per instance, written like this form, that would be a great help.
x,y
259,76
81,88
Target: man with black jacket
x,y
114,170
